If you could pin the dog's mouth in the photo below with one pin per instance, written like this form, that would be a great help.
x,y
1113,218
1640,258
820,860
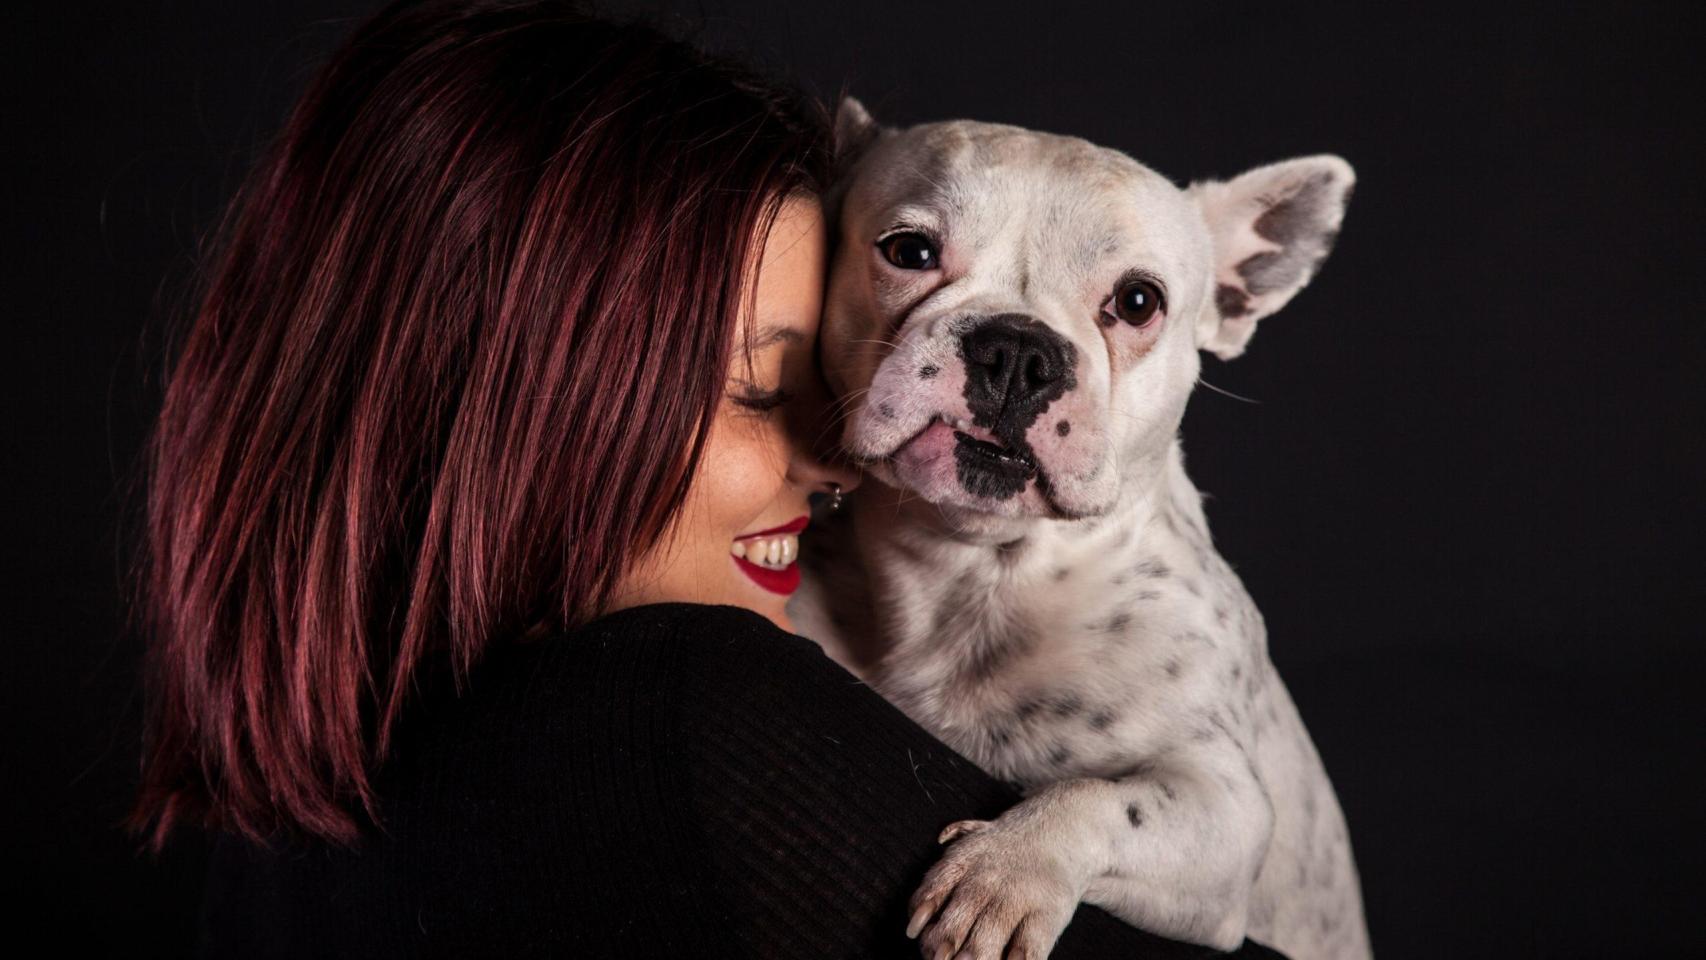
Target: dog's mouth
x,y
994,457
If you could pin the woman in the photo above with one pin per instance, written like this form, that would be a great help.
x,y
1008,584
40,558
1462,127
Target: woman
x,y
472,517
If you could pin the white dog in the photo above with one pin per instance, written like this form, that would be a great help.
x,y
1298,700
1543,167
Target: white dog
x,y
1013,324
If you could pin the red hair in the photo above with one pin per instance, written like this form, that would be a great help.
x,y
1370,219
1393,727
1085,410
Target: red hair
x,y
452,368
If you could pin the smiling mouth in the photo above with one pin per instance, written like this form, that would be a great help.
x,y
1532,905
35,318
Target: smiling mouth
x,y
768,557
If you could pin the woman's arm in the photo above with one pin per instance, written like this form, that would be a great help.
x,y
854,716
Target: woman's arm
x,y
819,803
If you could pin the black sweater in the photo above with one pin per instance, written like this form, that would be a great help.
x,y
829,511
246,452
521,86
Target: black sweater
x,y
670,780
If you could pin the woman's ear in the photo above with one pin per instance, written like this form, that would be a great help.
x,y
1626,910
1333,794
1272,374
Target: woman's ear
x,y
1271,228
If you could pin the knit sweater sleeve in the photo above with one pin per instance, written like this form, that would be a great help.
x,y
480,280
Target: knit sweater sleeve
x,y
816,803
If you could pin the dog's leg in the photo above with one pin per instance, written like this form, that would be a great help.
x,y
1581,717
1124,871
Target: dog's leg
x,y
1172,847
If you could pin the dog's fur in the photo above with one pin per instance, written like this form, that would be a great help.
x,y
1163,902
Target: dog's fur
x,y
1078,636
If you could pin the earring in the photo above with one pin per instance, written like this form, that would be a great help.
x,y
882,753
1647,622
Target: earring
x,y
834,497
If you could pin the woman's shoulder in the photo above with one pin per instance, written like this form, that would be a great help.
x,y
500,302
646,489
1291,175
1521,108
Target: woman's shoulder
x,y
704,647
641,678
697,628
686,650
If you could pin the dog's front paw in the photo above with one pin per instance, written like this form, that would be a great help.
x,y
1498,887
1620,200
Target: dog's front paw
x,y
996,893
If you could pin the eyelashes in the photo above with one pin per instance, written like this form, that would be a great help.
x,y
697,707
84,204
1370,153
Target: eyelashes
x,y
761,402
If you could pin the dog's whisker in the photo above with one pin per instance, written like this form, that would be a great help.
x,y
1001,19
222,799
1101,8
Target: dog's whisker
x,y
1226,393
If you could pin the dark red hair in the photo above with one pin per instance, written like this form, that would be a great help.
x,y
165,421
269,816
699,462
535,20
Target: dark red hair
x,y
451,369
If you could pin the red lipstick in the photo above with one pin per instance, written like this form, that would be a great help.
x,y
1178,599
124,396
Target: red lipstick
x,y
784,581
792,526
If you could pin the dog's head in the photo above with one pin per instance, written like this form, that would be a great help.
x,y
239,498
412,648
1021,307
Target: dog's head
x,y
1014,317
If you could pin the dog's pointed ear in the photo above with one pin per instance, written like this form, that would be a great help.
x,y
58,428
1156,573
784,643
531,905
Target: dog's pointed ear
x,y
854,131
1271,228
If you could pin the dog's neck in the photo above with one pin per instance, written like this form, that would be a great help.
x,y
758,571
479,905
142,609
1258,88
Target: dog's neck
x,y
925,564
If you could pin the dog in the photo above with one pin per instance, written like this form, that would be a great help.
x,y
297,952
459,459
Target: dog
x,y
1012,324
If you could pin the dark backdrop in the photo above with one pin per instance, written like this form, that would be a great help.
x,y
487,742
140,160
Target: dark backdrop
x,y
1467,496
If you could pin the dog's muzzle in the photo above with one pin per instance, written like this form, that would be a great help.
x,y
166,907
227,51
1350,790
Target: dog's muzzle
x,y
1015,367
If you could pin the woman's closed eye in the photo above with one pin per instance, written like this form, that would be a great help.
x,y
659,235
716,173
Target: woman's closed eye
x,y
761,401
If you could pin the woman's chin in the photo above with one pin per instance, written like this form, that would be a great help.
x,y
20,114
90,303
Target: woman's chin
x,y
770,606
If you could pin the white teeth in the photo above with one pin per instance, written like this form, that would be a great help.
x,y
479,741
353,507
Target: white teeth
x,y
777,553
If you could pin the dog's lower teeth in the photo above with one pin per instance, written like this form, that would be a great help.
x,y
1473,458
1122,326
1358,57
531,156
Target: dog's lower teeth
x,y
995,451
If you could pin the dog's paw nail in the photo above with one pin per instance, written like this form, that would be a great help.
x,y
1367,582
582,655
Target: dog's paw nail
x,y
960,828
916,924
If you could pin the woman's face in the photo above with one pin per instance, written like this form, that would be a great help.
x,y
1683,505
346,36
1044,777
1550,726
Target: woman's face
x,y
736,537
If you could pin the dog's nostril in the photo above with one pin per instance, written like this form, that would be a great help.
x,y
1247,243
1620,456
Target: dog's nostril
x,y
1039,371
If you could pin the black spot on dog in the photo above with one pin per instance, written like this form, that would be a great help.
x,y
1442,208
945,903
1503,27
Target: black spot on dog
x,y
963,595
990,650
972,467
1060,755
1231,301
1152,569
1140,769
1026,710
991,646
886,410
1066,704
1062,428
1298,224
1102,719
1173,668
928,370
1114,624
1166,790
1133,814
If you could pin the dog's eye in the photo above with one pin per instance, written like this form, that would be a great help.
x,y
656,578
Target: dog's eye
x,y
909,251
1136,303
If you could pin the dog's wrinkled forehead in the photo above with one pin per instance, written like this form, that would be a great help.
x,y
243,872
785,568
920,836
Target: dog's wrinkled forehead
x,y
1051,214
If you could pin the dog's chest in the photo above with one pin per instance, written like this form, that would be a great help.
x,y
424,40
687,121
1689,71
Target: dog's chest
x,y
1062,669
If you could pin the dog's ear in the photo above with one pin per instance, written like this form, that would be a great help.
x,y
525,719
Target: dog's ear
x,y
1271,227
854,131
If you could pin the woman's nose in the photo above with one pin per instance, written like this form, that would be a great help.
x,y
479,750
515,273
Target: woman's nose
x,y
817,462
823,474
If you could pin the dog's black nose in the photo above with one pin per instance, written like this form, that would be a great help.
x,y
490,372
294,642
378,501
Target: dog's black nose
x,y
1015,367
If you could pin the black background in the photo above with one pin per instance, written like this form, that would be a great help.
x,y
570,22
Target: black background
x,y
1468,499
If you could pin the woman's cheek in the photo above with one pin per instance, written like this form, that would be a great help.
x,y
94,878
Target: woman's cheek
x,y
747,466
